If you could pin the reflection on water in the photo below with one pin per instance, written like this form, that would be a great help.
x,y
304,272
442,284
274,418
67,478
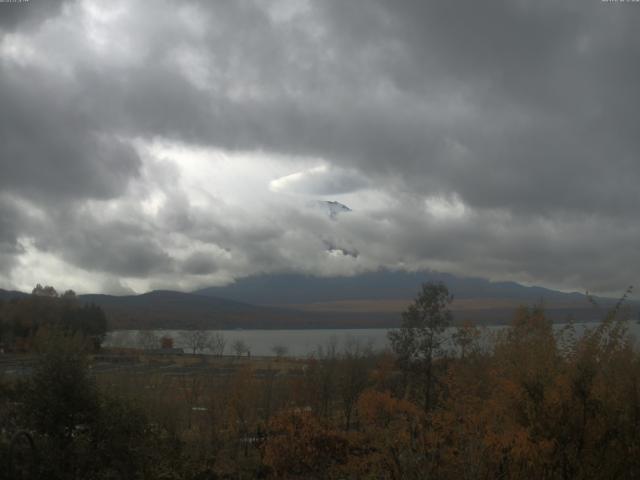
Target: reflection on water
x,y
302,343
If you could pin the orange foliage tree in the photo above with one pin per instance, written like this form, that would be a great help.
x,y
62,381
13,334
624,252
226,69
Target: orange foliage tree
x,y
299,446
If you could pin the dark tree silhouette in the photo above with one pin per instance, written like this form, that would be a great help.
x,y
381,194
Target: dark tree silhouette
x,y
420,338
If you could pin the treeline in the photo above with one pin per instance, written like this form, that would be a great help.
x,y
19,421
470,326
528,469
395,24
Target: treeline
x,y
22,317
529,404
58,425
524,403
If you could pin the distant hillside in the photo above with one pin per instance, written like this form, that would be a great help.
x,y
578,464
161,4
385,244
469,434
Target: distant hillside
x,y
171,309
290,289
164,309
363,301
385,294
176,310
9,294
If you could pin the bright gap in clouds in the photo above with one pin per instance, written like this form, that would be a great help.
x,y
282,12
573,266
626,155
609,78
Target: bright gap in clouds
x,y
208,216
208,175
211,215
321,180
251,179
446,208
39,266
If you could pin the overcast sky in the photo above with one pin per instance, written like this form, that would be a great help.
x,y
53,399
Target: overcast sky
x,y
182,144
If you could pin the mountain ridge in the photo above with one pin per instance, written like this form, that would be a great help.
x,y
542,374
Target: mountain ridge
x,y
297,301
284,289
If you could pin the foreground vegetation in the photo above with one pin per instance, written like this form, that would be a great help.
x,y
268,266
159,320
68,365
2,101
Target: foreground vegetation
x,y
523,404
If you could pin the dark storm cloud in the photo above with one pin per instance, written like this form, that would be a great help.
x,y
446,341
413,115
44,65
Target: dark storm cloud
x,y
10,221
122,248
541,86
199,263
52,147
525,111
488,100
20,14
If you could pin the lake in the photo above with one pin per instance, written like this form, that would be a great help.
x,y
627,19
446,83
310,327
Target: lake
x,y
301,343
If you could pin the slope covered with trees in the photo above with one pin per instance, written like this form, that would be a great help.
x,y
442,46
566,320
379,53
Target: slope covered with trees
x,y
522,403
22,316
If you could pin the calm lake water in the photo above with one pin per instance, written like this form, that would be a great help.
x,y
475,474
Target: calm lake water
x,y
302,343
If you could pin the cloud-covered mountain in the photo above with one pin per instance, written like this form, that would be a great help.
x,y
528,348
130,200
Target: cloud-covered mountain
x,y
363,301
287,289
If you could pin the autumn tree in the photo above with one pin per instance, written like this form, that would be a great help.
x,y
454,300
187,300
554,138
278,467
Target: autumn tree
x,y
390,443
466,339
192,385
46,291
60,397
69,295
321,378
217,344
166,342
243,402
90,320
195,340
239,347
299,446
216,399
279,350
79,432
22,317
353,375
420,337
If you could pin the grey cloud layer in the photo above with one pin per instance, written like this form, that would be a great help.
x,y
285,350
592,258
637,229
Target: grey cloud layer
x,y
13,16
525,111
